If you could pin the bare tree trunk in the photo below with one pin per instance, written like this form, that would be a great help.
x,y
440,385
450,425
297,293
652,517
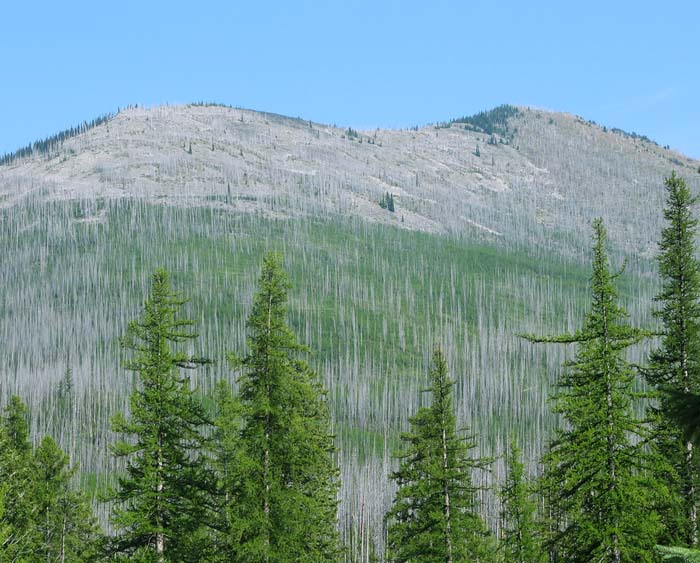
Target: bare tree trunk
x,y
266,458
693,515
693,509
446,493
63,540
160,536
47,537
612,469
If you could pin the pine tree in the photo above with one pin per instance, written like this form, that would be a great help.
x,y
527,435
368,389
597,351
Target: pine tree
x,y
5,529
228,460
65,527
16,424
595,478
161,501
43,517
434,514
16,478
286,501
675,365
520,542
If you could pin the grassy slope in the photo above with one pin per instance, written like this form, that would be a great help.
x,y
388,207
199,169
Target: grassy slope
x,y
370,300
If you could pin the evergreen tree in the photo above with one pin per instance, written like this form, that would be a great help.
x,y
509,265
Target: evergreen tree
x,y
16,425
65,527
520,542
286,498
390,202
675,365
16,478
434,514
43,518
595,479
228,461
5,529
161,501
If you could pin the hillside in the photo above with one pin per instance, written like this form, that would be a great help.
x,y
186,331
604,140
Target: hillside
x,y
540,176
488,239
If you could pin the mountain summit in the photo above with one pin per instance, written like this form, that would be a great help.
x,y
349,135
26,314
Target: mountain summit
x,y
461,234
522,175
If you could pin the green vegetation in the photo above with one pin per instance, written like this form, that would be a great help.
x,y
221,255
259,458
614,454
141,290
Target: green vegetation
x,y
387,202
635,136
51,144
283,503
260,462
675,365
678,554
595,477
42,518
160,504
366,300
521,541
492,122
435,516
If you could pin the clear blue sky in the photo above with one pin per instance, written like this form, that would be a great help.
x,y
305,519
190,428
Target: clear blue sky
x,y
629,64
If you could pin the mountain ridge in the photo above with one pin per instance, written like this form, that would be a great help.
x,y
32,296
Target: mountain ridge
x,y
491,245
448,178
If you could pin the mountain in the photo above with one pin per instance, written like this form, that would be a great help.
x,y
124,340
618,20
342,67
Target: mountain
x,y
488,239
518,174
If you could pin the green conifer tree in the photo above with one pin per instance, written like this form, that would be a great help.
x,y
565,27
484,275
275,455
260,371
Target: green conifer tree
x,y
64,525
595,478
520,542
16,424
16,478
434,514
161,502
675,365
43,517
228,461
286,501
5,529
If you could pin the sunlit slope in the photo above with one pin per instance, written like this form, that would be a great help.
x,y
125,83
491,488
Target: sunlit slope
x,y
488,240
370,301
513,176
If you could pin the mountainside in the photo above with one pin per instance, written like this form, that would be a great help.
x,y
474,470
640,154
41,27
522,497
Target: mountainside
x,y
524,176
488,239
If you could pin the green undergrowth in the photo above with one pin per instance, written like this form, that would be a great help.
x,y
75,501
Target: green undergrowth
x,y
369,300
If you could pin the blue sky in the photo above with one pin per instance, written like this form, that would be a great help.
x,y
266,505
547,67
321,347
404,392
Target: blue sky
x,y
359,63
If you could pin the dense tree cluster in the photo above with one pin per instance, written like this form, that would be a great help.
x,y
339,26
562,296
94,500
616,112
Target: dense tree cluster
x,y
250,474
42,517
52,143
387,202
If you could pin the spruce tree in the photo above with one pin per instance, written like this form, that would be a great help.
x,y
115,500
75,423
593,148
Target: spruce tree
x,y
675,365
520,543
228,461
16,478
64,525
286,501
434,514
161,501
595,478
5,529
43,517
